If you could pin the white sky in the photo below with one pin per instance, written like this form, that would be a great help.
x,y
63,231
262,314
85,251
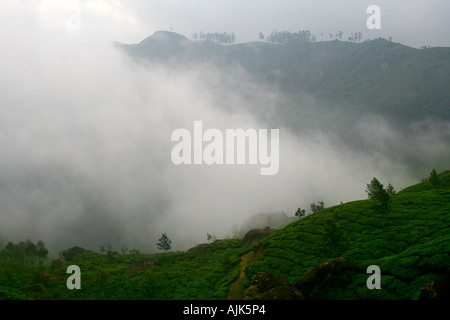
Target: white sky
x,y
411,22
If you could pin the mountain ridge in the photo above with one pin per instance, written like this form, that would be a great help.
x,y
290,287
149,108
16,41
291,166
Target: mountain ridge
x,y
377,76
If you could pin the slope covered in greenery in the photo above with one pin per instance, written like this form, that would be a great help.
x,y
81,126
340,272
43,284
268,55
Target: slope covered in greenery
x,y
411,245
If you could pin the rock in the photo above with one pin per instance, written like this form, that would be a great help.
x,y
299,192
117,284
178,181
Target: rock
x,y
268,286
427,292
255,235
331,274
437,290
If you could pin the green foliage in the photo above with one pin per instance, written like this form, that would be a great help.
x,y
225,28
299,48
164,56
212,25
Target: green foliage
x,y
317,207
164,243
432,181
300,213
25,251
376,191
216,37
433,178
135,251
333,238
285,37
412,250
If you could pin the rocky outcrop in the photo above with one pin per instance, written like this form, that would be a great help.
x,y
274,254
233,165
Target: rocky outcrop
x,y
268,286
255,235
331,274
437,290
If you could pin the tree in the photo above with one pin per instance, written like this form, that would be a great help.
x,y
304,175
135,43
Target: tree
x,y
208,236
333,237
317,207
107,248
9,249
284,37
390,190
135,251
164,243
217,37
30,249
300,213
376,191
42,251
261,36
433,178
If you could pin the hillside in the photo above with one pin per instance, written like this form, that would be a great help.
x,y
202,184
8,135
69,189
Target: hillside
x,y
405,84
411,245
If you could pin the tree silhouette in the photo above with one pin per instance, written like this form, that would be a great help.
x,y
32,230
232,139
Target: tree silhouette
x,y
433,178
376,191
317,207
333,237
164,243
42,251
261,36
300,212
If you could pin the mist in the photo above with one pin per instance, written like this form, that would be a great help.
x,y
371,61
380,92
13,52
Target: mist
x,y
85,147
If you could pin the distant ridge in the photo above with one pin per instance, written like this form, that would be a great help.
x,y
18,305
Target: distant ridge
x,y
378,76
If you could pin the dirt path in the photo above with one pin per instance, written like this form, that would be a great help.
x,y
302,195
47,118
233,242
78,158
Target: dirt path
x,y
236,290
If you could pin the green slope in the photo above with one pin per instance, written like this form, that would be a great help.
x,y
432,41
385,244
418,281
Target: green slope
x,y
411,245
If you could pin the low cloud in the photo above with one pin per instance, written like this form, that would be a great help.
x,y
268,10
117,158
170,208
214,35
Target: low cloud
x,y
85,148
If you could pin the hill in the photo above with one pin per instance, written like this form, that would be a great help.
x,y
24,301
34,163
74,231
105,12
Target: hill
x,y
410,245
378,76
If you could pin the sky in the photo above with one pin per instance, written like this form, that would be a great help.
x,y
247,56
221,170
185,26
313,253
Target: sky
x,y
85,132
411,22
